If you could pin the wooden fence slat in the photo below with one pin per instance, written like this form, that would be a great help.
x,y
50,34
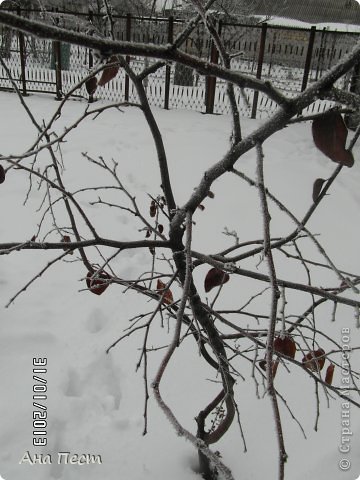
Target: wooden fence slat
x,y
22,57
168,68
260,65
128,38
309,55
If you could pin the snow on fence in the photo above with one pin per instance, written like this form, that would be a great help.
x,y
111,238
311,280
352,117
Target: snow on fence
x,y
291,58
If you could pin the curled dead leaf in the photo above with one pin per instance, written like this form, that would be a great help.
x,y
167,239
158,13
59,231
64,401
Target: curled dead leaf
x,y
285,345
317,187
66,239
262,364
214,278
330,134
167,294
314,360
329,374
91,85
275,365
99,283
109,72
2,174
153,208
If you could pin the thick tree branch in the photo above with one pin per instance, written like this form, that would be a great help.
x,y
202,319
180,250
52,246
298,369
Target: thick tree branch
x,y
231,268
9,247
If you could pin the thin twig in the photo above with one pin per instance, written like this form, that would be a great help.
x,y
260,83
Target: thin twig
x,y
273,314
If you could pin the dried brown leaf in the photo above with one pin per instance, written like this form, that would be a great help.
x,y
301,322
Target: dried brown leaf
x,y
99,284
167,296
91,85
2,174
329,374
285,345
330,134
109,72
214,278
317,187
314,359
66,239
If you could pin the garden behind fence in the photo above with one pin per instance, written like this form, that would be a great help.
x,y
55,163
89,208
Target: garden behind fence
x,y
291,58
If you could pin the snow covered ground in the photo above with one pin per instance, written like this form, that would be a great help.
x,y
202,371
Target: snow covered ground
x,y
332,26
95,401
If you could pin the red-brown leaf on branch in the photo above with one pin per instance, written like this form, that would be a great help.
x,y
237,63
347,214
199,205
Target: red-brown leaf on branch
x,y
329,374
285,345
109,72
2,174
168,296
153,208
214,278
66,239
314,359
91,85
317,187
274,367
99,284
262,364
330,134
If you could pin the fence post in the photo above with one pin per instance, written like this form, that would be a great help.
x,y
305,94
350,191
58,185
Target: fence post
x,y
308,58
57,57
168,68
321,54
91,58
354,82
259,67
128,39
22,57
57,60
211,81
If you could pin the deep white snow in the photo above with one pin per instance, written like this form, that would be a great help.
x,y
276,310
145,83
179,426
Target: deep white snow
x,y
95,401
